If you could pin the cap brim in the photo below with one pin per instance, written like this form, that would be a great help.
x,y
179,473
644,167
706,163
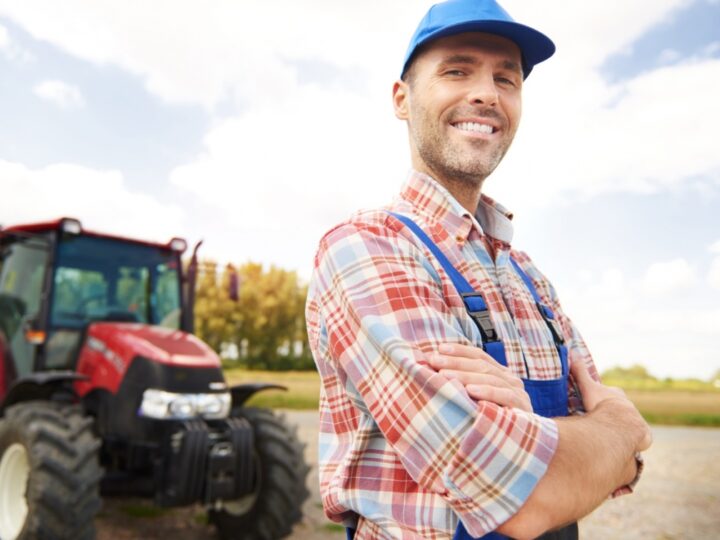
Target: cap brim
x,y
535,46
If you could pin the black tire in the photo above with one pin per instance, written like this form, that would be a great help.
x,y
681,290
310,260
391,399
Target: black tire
x,y
276,505
62,491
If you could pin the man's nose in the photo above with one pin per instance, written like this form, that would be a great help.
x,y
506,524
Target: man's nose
x,y
483,92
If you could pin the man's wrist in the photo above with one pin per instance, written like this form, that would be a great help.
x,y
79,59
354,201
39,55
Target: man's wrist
x,y
621,415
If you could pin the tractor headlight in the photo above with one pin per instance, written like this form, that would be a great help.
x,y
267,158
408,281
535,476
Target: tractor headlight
x,y
170,406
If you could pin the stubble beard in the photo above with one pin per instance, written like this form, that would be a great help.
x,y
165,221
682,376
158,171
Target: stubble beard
x,y
451,164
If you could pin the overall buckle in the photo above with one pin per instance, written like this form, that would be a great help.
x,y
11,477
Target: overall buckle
x,y
480,316
549,317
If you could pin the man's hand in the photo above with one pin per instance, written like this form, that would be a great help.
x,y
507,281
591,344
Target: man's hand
x,y
483,377
595,395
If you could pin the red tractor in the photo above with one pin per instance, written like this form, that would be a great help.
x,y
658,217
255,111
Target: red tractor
x,y
104,388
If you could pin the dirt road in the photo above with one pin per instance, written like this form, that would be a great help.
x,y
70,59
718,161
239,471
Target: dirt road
x,y
678,498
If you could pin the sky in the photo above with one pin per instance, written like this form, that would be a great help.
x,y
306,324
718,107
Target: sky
x,y
256,125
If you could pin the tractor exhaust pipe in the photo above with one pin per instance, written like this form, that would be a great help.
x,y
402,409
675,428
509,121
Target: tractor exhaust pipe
x,y
188,322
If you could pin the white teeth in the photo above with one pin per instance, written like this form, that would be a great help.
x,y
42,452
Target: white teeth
x,y
474,126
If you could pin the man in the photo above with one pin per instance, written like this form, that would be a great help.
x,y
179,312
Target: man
x,y
444,352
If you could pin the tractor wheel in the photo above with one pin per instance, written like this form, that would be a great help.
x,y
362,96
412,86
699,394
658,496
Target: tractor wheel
x,y
275,505
49,473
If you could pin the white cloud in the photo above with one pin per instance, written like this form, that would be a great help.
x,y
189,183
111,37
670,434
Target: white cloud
x,y
669,276
581,137
204,53
623,327
298,165
713,276
585,36
100,199
714,247
64,95
10,49
4,37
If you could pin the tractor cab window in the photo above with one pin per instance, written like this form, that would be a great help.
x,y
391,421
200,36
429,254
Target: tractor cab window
x,y
22,270
103,279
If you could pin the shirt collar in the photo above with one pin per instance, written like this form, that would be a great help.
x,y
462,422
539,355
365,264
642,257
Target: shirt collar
x,y
495,219
434,202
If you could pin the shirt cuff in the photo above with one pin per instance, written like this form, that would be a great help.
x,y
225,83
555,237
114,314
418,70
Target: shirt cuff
x,y
498,467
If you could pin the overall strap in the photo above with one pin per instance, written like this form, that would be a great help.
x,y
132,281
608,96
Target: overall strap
x,y
474,303
547,315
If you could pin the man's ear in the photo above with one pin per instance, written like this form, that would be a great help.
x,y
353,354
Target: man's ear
x,y
400,99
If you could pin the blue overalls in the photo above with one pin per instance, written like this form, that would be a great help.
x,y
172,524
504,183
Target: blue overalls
x,y
549,398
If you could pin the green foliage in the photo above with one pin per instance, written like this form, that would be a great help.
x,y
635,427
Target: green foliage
x,y
266,324
683,419
334,527
633,373
637,377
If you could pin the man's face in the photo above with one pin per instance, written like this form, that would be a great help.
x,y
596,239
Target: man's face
x,y
462,102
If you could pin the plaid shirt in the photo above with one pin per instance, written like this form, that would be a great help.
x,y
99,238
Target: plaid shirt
x,y
401,446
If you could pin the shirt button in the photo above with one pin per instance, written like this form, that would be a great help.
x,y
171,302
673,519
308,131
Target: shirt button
x,y
459,239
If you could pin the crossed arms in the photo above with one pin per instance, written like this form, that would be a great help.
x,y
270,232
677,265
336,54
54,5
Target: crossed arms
x,y
595,453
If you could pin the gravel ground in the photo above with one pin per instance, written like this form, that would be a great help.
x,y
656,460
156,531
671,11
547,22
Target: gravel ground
x,y
678,498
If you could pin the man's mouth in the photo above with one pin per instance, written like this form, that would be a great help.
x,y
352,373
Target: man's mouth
x,y
475,127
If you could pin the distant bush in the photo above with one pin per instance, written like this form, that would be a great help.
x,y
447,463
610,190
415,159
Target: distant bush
x,y
634,373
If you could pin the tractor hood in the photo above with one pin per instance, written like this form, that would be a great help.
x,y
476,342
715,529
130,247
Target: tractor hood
x,y
128,340
111,347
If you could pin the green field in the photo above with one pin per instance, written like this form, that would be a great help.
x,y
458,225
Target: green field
x,y
303,388
690,403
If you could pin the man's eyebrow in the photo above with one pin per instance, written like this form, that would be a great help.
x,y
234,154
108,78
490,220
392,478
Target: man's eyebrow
x,y
512,66
459,59
472,60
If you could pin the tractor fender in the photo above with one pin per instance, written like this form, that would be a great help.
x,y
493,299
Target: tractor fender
x,y
40,386
242,392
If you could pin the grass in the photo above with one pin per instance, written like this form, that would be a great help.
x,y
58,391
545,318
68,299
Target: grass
x,y
689,403
303,388
333,527
678,407
662,385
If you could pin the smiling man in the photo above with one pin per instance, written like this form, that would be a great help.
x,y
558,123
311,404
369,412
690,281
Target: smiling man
x,y
451,375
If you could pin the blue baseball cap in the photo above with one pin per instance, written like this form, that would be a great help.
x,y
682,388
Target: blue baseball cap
x,y
459,16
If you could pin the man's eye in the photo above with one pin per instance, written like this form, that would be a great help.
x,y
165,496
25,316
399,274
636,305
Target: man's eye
x,y
455,72
504,81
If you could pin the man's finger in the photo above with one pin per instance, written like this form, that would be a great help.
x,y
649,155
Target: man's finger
x,y
480,362
467,378
500,396
465,351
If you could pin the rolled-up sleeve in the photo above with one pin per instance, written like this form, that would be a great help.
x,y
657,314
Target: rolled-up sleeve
x,y
384,311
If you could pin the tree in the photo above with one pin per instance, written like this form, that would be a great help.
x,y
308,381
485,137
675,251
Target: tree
x,y
635,372
216,316
266,322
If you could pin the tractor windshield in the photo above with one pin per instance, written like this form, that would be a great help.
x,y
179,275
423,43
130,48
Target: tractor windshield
x,y
103,279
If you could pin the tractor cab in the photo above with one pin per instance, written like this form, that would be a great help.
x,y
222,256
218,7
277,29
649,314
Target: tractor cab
x,y
56,279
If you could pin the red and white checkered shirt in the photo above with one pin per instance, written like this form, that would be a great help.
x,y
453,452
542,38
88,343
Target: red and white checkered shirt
x,y
404,452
